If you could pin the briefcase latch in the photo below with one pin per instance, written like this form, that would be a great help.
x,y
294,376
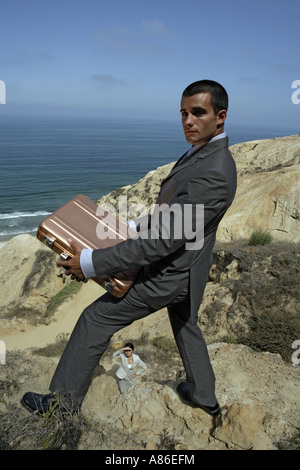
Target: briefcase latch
x,y
107,285
48,241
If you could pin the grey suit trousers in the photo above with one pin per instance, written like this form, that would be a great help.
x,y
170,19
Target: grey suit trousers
x,y
106,316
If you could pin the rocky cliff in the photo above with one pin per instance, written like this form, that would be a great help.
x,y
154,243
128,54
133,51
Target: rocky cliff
x,y
249,317
268,194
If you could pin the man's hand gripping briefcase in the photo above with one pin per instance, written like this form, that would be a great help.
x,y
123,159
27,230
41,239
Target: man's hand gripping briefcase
x,y
89,226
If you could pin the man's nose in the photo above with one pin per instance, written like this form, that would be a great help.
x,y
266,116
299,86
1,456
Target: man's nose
x,y
189,119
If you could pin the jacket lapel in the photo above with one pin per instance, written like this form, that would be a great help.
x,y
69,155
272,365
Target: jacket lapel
x,y
202,152
125,361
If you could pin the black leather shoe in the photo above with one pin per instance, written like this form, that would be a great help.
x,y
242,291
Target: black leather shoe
x,y
41,404
183,390
38,403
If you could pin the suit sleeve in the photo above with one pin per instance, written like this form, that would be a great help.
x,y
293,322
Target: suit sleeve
x,y
161,239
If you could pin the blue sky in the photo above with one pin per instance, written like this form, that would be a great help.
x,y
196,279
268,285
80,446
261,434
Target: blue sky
x,y
133,58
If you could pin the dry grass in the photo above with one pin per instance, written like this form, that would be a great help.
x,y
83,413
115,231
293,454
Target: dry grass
x,y
268,283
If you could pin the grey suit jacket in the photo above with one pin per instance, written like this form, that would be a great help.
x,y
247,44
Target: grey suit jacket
x,y
208,177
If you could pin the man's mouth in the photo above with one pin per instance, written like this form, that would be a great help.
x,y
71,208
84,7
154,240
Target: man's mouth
x,y
189,131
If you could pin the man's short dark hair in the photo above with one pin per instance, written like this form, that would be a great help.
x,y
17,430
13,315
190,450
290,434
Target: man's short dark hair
x,y
218,94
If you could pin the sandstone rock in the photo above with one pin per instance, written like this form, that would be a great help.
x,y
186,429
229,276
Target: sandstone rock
x,y
242,427
135,200
258,411
266,155
29,276
268,190
268,201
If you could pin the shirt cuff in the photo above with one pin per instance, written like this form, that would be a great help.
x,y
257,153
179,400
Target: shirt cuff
x,y
86,263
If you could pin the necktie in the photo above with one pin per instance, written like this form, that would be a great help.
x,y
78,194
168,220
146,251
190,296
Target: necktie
x,y
189,153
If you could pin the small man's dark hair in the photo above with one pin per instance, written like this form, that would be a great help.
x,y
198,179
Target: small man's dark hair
x,y
218,94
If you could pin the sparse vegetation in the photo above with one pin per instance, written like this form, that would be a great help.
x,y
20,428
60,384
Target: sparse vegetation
x,y
274,334
164,344
260,237
62,295
166,442
33,315
54,349
271,290
290,444
266,289
56,430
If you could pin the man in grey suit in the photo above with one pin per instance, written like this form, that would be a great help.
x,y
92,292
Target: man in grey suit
x,y
173,271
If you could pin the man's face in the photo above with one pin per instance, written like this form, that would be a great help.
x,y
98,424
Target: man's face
x,y
199,121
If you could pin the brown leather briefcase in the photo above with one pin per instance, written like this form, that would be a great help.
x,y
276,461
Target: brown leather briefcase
x,y
89,226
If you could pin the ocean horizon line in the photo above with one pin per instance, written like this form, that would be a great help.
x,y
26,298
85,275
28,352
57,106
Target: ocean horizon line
x,y
44,163
294,129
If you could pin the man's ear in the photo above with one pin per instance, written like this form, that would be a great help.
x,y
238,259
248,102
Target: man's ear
x,y
222,115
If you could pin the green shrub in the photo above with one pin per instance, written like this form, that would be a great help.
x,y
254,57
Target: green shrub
x,y
260,237
62,295
164,343
54,349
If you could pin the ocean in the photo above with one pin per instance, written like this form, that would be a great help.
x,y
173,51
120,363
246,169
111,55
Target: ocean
x,y
45,161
